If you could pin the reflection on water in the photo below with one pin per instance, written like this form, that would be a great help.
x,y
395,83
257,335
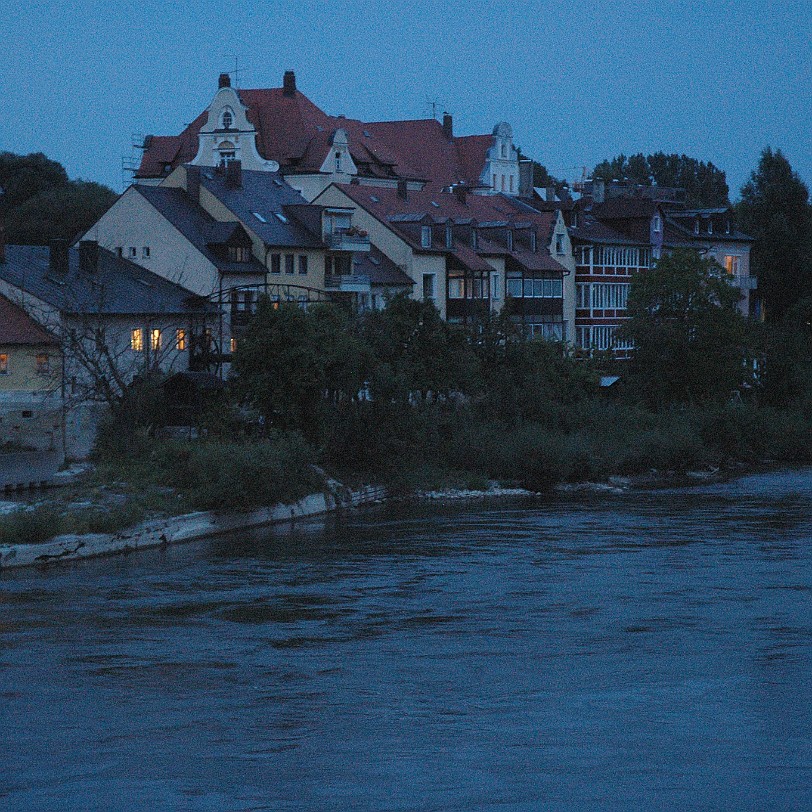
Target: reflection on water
x,y
632,651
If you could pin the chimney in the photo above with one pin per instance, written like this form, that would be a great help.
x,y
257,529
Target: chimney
x,y
403,189
525,177
58,258
234,175
461,192
289,83
89,255
549,194
448,126
598,191
224,80
193,183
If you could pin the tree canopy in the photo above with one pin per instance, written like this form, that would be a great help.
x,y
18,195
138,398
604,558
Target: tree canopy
x,y
775,210
691,343
704,183
40,203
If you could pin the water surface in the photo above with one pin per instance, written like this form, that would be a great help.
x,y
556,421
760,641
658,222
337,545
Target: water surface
x,y
636,651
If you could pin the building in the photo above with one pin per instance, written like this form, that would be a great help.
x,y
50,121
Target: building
x,y
471,255
620,231
280,129
30,381
111,320
230,234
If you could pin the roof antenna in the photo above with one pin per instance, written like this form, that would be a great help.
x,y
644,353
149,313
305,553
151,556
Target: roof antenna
x,y
237,71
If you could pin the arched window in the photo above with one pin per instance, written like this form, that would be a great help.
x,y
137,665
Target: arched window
x,y
227,119
504,150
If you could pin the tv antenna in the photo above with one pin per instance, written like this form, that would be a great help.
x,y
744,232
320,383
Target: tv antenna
x,y
237,71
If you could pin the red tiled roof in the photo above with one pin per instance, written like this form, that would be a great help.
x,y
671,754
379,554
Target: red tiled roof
x,y
17,327
296,133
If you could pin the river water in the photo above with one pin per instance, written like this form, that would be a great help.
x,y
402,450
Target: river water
x,y
621,651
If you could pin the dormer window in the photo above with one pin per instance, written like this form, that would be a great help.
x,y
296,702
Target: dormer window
x,y
425,236
227,119
338,161
449,237
559,243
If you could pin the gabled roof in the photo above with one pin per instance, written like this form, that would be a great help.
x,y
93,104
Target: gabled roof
x,y
297,134
432,205
116,287
17,327
196,225
259,205
380,269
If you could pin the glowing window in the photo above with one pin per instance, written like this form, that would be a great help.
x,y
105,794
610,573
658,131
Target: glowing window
x,y
732,265
180,340
3,363
155,339
137,340
233,345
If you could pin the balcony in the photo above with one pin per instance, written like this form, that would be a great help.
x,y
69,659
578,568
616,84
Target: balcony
x,y
347,283
343,241
743,282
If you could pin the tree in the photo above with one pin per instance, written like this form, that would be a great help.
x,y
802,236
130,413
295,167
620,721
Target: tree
x,y
704,183
775,210
691,343
39,203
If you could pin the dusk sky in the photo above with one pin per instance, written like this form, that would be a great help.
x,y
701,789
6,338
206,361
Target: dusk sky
x,y
578,81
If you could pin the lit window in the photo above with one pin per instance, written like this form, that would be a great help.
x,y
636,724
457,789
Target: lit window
x,y
302,263
43,363
180,340
155,339
425,236
3,363
233,345
289,263
732,265
137,340
145,252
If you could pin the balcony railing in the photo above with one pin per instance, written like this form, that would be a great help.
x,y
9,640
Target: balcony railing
x,y
340,241
347,283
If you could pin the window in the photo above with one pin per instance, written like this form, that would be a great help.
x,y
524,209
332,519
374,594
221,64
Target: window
x,y
425,236
449,237
137,340
504,150
227,119
180,340
533,242
3,363
145,252
732,265
233,345
155,339
582,296
503,183
119,251
509,240
511,182
456,287
133,253
494,181
428,287
559,243
238,253
495,286
338,161
609,296
43,363
513,286
289,263
276,263
710,226
303,263
657,223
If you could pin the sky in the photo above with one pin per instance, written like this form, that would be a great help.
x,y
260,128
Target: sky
x,y
578,81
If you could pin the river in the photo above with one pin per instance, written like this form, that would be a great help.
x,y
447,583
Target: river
x,y
647,650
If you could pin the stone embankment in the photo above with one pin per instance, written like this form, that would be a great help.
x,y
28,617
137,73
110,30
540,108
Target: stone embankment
x,y
177,529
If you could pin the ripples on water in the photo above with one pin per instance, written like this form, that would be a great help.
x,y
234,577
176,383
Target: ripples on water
x,y
638,651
